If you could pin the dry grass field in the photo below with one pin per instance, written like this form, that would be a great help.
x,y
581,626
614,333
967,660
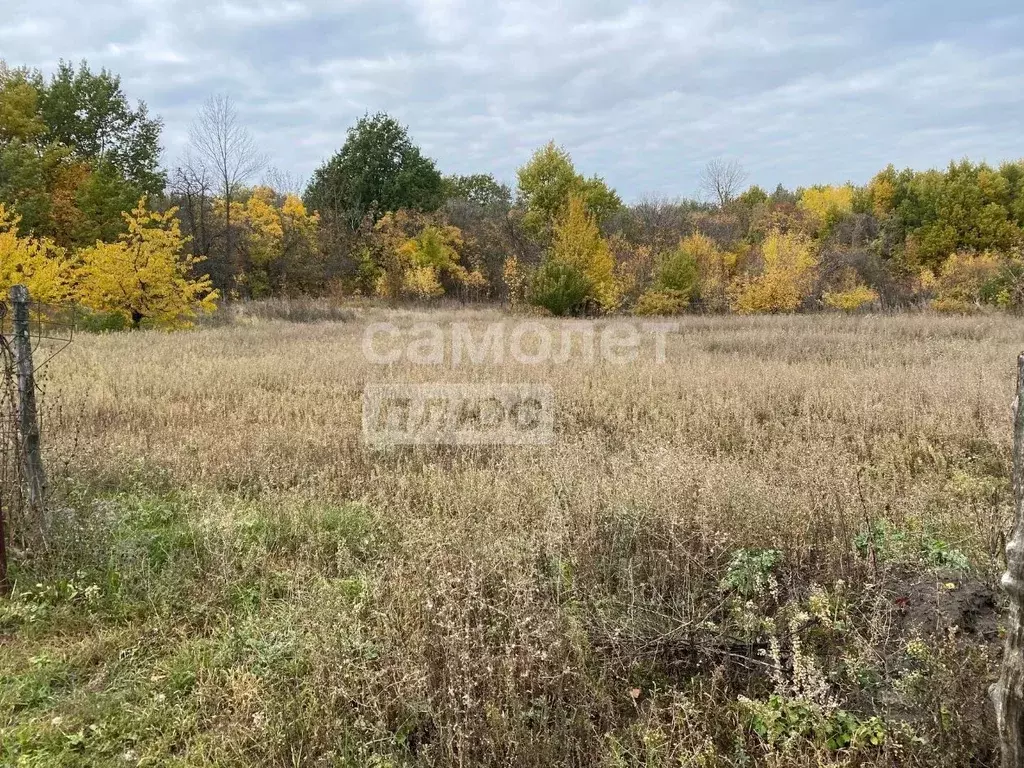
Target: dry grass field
x,y
777,548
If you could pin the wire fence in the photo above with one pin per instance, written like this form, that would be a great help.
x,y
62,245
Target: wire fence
x,y
24,326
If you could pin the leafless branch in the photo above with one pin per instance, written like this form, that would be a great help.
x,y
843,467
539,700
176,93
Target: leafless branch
x,y
721,180
224,145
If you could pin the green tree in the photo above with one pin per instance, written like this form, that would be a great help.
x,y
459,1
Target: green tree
x,y
90,114
479,188
20,119
678,271
753,197
378,170
927,216
546,183
24,171
102,198
24,165
1013,173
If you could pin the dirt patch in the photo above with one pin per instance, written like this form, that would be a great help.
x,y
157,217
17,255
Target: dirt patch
x,y
932,603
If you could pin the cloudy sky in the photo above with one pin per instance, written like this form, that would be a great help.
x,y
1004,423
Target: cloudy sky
x,y
643,93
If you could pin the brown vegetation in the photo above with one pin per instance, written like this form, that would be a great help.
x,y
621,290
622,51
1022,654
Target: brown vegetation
x,y
755,553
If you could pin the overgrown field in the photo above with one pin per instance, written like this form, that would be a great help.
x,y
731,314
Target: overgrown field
x,y
778,548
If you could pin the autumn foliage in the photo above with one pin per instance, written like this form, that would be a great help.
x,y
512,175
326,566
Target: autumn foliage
x,y
379,220
35,262
144,276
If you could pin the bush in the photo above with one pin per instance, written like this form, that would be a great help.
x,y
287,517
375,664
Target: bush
x,y
559,288
665,302
790,265
851,299
100,322
677,272
967,281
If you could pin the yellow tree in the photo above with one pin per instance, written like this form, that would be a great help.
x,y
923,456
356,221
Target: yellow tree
x,y
19,106
37,263
428,256
578,243
262,241
715,269
145,275
278,241
302,263
826,205
881,192
412,254
790,268
387,264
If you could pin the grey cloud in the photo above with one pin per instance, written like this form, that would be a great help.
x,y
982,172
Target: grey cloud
x,y
643,93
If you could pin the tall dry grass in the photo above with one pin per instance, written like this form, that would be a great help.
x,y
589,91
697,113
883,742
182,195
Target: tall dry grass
x,y
573,604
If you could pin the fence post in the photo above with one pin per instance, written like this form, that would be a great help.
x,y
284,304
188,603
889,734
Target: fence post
x,y
28,418
1008,692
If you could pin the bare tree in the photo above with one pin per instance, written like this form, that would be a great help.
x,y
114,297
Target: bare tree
x,y
228,150
191,184
283,182
722,180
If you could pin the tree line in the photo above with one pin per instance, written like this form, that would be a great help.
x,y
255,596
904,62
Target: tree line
x,y
88,216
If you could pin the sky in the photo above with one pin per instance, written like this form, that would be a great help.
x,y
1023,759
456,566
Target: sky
x,y
642,93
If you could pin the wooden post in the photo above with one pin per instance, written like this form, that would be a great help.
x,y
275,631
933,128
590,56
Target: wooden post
x,y
1008,692
28,419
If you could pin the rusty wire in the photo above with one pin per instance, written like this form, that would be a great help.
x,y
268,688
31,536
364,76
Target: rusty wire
x,y
53,323
51,330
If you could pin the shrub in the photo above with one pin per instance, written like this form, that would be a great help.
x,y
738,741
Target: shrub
x,y
661,302
780,721
751,571
559,288
966,281
851,299
100,322
677,272
790,264
514,279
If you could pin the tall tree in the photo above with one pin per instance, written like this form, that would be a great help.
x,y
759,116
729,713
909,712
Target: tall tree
x,y
378,170
722,180
547,182
229,152
578,243
19,105
26,166
90,114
